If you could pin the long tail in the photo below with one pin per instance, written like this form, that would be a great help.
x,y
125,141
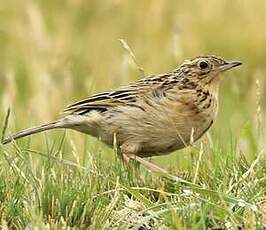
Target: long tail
x,y
29,131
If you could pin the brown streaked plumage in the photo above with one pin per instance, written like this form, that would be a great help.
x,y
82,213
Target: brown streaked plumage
x,y
153,116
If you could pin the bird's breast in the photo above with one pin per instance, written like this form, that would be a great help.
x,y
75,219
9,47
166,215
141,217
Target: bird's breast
x,y
193,114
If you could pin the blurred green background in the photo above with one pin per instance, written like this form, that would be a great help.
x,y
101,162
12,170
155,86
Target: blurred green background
x,y
53,53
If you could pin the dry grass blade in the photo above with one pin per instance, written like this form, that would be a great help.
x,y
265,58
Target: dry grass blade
x,y
250,172
5,125
128,49
198,163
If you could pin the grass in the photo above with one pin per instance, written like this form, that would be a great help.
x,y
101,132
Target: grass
x,y
50,192
54,52
44,190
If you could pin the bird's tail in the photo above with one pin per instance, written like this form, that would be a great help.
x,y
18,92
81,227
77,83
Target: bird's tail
x,y
29,131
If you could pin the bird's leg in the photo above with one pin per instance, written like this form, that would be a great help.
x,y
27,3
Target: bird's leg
x,y
125,159
129,151
122,156
148,164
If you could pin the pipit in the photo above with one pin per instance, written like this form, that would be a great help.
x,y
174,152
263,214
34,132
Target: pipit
x,y
153,116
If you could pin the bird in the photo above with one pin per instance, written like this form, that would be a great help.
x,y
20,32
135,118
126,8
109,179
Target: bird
x,y
153,116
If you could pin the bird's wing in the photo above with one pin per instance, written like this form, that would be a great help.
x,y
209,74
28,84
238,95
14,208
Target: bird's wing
x,y
102,101
129,95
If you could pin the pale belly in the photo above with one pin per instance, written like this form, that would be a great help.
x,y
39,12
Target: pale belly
x,y
172,139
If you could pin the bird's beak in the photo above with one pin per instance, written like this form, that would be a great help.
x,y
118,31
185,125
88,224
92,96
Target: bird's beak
x,y
229,65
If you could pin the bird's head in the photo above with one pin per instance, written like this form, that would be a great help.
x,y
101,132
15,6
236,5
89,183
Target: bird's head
x,y
206,70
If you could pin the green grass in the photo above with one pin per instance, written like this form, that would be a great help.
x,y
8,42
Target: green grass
x,y
41,189
55,52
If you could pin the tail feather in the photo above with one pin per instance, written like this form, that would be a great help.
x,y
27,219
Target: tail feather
x,y
29,131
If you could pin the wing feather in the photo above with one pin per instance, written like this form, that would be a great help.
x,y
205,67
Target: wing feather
x,y
154,85
103,101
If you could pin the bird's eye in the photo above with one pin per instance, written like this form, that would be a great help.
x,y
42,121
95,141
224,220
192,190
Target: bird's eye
x,y
203,65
